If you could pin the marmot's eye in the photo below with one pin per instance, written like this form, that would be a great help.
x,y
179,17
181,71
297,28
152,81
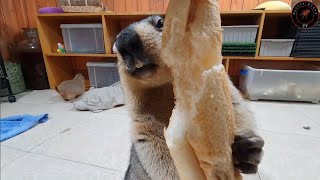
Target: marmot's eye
x,y
159,24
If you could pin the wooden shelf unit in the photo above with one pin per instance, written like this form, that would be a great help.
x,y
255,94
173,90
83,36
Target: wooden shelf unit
x,y
61,67
81,55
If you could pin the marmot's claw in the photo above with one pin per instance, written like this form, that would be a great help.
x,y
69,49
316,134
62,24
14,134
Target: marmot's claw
x,y
247,152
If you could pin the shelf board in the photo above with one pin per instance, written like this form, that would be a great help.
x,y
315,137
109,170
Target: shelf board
x,y
286,58
270,58
69,14
241,12
80,55
132,13
110,13
239,57
266,58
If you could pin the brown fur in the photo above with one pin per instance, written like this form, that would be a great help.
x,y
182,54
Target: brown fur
x,y
71,89
150,100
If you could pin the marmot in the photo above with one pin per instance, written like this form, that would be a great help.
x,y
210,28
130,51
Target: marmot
x,y
147,83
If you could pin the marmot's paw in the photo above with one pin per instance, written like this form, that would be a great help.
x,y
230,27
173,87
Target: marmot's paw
x,y
247,152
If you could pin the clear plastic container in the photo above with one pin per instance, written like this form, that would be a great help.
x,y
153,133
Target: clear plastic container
x,y
286,85
245,33
276,47
83,38
102,74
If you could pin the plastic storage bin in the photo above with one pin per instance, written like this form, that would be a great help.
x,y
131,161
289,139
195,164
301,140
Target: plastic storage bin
x,y
83,38
102,74
286,85
246,34
276,47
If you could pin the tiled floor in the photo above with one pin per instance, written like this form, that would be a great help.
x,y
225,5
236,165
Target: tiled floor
x,y
87,146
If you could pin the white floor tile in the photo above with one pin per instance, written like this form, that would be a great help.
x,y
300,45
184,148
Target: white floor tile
x,y
118,110
251,177
311,110
94,146
41,97
282,117
38,167
290,157
101,141
61,117
9,109
8,155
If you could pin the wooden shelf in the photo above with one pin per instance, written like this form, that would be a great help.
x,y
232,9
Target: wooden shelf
x,y
147,13
69,14
270,58
80,55
61,67
286,58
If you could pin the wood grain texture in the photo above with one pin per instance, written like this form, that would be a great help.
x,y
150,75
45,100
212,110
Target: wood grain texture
x,y
132,6
106,37
41,3
287,1
262,1
58,70
250,4
143,5
31,8
259,36
225,5
109,4
120,6
21,13
158,6
3,37
236,4
165,4
12,28
51,3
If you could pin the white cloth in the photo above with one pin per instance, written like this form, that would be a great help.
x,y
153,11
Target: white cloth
x,y
100,99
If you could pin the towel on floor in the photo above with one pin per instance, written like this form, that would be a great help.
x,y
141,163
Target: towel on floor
x,y
100,99
14,125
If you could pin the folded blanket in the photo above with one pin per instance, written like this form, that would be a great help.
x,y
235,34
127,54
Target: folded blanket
x,y
14,125
100,99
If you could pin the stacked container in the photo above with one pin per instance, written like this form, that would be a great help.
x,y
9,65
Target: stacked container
x,y
102,74
239,40
307,42
83,38
276,47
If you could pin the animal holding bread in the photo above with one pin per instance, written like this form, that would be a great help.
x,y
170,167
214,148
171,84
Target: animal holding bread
x,y
148,84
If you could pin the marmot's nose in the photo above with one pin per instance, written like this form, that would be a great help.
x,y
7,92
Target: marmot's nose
x,y
129,42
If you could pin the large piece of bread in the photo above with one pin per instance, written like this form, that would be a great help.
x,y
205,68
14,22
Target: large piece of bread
x,y
201,129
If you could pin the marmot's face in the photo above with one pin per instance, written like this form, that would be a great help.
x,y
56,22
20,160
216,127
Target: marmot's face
x,y
139,52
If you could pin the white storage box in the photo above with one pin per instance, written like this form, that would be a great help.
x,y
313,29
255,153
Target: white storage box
x,y
276,47
102,74
83,38
286,85
245,34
